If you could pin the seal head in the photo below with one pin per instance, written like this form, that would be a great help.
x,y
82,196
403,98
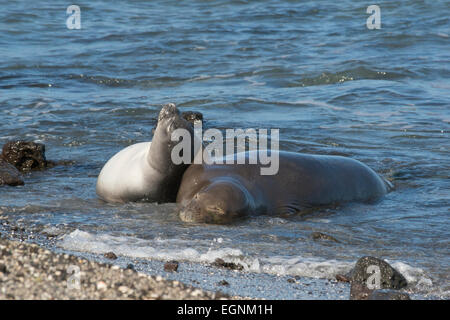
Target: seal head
x,y
220,202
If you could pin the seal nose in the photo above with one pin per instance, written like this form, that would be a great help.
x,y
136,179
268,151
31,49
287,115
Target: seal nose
x,y
167,111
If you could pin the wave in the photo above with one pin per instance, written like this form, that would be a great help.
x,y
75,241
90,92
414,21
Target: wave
x,y
207,251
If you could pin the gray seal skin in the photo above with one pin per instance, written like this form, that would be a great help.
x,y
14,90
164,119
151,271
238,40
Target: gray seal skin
x,y
222,193
145,171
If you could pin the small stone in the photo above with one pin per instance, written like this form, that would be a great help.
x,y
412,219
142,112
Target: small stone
x,y
101,285
171,266
228,265
390,278
224,283
323,236
110,255
386,294
3,269
130,266
123,289
291,280
359,291
342,278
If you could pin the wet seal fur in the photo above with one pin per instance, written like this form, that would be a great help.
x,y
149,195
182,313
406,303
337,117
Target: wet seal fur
x,y
145,171
222,193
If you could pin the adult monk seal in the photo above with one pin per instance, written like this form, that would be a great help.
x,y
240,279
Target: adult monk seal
x,y
221,193
144,171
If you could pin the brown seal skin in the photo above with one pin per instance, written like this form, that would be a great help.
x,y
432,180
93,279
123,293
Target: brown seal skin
x,y
222,193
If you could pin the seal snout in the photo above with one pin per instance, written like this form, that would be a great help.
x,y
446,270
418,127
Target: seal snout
x,y
168,110
221,202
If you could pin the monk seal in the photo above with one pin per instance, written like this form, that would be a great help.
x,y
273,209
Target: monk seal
x,y
222,193
144,171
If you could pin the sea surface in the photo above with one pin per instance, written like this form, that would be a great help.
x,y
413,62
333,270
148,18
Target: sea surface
x,y
310,68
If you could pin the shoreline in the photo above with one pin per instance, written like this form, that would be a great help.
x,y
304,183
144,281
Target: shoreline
x,y
34,268
31,272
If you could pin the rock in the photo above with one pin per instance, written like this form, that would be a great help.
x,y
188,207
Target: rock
x,y
389,278
386,294
192,116
110,255
9,175
223,283
228,265
24,155
3,269
359,291
101,285
291,280
130,266
342,278
171,266
323,236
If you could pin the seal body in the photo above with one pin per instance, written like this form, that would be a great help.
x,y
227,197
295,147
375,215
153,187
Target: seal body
x,y
222,193
145,171
127,176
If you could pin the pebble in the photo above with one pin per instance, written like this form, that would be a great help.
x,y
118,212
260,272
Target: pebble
x,y
171,266
110,255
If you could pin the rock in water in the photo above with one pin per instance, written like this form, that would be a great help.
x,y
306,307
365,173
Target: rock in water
x,y
389,277
110,255
385,294
323,236
9,175
192,116
364,278
171,266
25,156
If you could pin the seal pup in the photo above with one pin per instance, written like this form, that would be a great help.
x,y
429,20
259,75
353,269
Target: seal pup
x,y
145,171
222,193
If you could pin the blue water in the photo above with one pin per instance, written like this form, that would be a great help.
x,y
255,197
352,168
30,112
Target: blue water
x,y
310,68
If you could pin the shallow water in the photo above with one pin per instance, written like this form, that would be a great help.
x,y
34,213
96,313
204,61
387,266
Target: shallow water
x,y
312,69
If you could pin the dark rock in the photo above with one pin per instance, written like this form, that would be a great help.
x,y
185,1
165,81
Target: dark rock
x,y
228,265
342,278
192,116
291,280
224,283
389,278
171,266
9,175
130,266
323,236
359,291
24,155
3,269
386,294
110,255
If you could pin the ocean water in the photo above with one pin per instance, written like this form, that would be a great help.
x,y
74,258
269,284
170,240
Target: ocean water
x,y
310,68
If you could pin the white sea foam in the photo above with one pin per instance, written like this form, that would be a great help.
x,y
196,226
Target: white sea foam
x,y
209,250
177,249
